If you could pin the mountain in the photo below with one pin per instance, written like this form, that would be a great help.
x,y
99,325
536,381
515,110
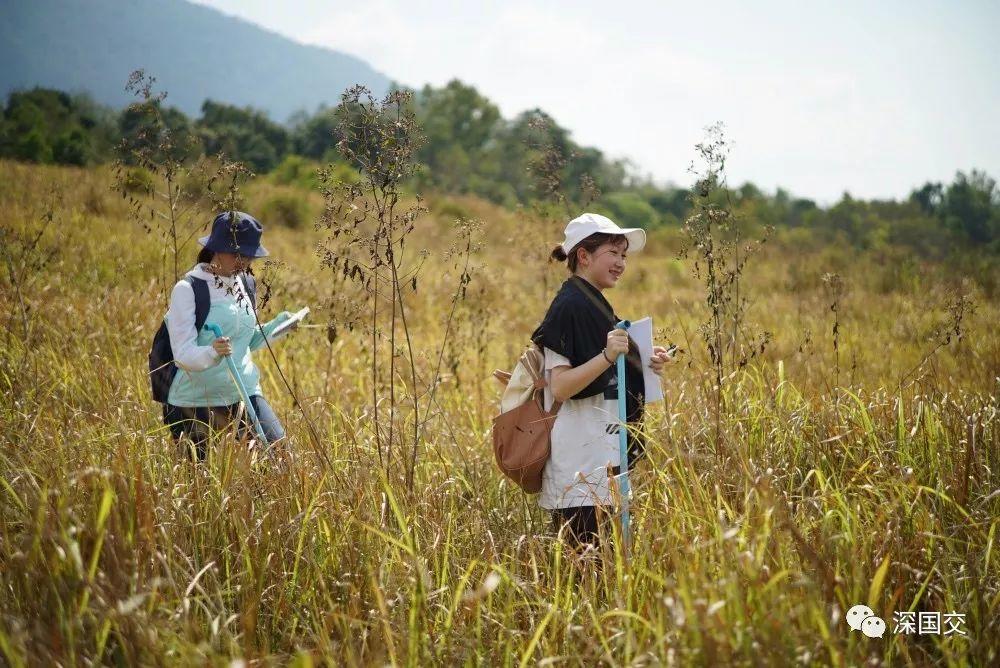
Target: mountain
x,y
194,52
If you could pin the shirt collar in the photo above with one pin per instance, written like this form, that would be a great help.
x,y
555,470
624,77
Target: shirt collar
x,y
201,271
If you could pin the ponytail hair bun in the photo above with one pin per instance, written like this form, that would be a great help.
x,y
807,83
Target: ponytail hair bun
x,y
558,254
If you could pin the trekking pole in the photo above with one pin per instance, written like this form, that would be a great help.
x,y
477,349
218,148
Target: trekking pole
x,y
215,329
623,484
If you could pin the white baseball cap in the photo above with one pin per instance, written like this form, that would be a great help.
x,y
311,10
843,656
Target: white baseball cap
x,y
590,223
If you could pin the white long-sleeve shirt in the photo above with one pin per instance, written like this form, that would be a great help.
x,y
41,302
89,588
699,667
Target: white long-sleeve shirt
x,y
180,317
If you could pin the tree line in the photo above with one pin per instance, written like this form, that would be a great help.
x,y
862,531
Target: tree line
x,y
468,147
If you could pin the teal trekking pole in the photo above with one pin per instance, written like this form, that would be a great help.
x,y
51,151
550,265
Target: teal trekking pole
x,y
215,329
624,487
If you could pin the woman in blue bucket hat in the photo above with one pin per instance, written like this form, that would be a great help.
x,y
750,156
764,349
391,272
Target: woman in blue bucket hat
x,y
203,396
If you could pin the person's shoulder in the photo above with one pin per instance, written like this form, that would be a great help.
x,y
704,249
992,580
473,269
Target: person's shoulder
x,y
564,300
565,310
183,289
186,282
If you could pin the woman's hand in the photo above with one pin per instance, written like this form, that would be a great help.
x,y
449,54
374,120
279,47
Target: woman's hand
x,y
661,357
223,346
617,344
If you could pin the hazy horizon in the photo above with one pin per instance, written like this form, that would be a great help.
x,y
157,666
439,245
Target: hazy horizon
x,y
871,100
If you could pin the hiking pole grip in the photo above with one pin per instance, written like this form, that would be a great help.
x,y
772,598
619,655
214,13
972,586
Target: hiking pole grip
x,y
231,363
623,485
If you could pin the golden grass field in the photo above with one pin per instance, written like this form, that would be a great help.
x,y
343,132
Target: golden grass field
x,y
823,490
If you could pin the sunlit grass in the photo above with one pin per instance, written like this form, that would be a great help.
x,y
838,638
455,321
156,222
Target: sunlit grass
x,y
748,550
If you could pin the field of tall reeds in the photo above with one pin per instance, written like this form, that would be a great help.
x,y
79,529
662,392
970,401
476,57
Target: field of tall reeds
x,y
848,456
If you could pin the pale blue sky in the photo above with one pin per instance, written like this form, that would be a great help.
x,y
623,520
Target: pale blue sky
x,y
818,97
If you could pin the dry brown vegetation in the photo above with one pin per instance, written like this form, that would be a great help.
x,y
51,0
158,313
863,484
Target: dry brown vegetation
x,y
868,474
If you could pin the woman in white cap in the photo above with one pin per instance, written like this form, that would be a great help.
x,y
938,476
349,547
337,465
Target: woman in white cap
x,y
581,346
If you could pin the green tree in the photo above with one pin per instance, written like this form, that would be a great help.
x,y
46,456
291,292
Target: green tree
x,y
672,204
158,131
971,206
72,148
929,197
629,209
45,125
242,134
313,136
457,124
32,147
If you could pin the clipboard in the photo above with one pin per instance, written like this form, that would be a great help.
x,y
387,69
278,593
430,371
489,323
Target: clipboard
x,y
287,326
641,331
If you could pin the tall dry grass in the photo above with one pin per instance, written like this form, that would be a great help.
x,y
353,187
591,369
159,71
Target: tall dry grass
x,y
748,550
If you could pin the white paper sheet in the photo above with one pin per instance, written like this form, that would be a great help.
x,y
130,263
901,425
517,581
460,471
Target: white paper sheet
x,y
641,332
287,326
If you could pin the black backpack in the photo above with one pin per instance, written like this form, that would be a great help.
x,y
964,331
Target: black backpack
x,y
162,367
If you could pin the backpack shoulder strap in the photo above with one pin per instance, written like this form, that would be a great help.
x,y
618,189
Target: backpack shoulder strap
x,y
533,361
250,285
593,300
202,301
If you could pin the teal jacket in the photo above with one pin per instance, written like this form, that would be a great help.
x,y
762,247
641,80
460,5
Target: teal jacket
x,y
203,377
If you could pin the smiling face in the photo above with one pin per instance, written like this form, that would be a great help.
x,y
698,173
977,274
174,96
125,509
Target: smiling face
x,y
603,266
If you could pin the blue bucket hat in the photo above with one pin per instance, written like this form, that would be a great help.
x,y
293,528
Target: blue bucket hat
x,y
236,233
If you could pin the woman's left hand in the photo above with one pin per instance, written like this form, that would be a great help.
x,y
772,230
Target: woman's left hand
x,y
660,359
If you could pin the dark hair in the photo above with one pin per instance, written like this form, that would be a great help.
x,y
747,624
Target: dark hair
x,y
589,244
205,256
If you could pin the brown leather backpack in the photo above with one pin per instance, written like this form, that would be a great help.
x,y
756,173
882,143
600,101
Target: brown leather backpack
x,y
522,432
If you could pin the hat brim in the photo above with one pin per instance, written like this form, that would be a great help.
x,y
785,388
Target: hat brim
x,y
636,238
260,252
